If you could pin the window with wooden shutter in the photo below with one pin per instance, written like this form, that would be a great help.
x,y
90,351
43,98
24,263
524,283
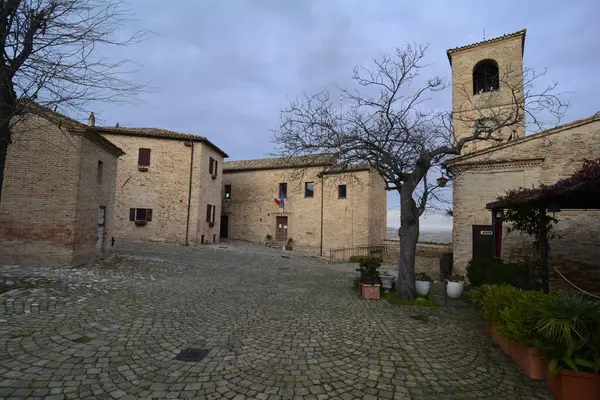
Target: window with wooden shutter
x,y
227,192
99,172
309,189
132,214
342,191
148,214
208,213
140,214
214,211
216,171
211,162
144,157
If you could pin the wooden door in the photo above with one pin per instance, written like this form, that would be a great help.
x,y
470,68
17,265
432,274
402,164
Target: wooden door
x,y
281,229
224,226
483,242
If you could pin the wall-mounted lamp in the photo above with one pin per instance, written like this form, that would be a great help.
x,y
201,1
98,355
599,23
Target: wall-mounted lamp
x,y
499,214
442,181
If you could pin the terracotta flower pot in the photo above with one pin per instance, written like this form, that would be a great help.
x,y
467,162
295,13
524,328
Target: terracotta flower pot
x,y
530,360
369,291
571,385
488,328
503,343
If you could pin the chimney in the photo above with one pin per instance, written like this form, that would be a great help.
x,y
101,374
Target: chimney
x,y
92,120
117,125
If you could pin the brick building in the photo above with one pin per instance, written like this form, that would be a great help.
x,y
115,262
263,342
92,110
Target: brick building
x,y
168,186
322,209
58,195
484,172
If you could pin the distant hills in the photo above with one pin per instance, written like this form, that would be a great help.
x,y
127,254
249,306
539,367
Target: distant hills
x,y
425,236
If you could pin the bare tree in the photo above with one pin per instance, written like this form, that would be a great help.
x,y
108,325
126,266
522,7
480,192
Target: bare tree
x,y
49,55
387,125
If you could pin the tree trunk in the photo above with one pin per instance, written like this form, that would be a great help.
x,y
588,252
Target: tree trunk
x,y
409,235
4,142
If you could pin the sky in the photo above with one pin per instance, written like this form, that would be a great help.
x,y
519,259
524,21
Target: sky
x,y
225,68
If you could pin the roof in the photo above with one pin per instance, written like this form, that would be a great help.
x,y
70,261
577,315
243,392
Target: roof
x,y
76,127
534,136
579,191
157,133
316,160
521,33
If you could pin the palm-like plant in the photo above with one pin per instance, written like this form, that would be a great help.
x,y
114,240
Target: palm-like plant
x,y
569,329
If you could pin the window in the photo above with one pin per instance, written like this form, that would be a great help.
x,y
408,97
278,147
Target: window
x,y
309,189
140,214
144,157
227,192
341,191
213,166
283,190
485,77
210,212
99,172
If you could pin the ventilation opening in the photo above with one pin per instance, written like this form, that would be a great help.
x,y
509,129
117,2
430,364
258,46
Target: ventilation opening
x,y
202,239
214,238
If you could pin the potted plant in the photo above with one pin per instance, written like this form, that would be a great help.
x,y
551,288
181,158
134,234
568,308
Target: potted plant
x,y
495,300
568,325
288,245
369,276
455,286
423,283
387,281
518,327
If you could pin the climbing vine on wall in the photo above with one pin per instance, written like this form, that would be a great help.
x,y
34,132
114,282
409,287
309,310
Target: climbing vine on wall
x,y
529,220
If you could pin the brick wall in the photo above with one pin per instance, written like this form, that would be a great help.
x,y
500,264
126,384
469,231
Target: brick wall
x,y
93,194
542,158
48,211
508,53
355,220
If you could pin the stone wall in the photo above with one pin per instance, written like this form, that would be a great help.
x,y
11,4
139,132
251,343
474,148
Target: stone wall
x,y
427,259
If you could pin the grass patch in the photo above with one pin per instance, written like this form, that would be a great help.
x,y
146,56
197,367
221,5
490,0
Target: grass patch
x,y
419,301
83,339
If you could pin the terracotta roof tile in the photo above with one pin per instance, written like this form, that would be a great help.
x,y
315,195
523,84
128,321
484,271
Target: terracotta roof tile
x,y
522,33
279,163
157,133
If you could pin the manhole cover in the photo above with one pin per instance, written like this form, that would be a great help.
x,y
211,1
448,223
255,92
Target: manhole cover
x,y
285,256
192,354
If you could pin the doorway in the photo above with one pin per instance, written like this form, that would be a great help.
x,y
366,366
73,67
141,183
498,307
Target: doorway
x,y
281,229
224,232
483,242
100,232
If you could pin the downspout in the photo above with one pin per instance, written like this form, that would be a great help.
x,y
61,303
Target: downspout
x,y
189,206
321,215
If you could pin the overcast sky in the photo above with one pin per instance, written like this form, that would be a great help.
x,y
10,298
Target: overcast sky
x,y
224,68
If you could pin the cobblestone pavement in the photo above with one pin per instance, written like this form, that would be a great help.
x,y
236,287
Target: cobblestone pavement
x,y
272,328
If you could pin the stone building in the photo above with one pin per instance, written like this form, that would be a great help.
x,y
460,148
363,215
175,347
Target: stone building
x,y
168,186
321,209
484,171
58,195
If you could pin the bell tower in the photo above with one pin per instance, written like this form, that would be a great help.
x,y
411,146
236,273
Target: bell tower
x,y
487,89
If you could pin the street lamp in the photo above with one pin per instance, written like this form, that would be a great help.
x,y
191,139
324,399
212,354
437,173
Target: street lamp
x,y
442,181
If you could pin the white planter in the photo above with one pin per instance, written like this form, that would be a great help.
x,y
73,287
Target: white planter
x,y
387,281
423,287
455,289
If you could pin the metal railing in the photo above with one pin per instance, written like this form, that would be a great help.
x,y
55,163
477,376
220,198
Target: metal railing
x,y
346,253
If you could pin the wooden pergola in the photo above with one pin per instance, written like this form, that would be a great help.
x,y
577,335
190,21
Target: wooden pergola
x,y
578,192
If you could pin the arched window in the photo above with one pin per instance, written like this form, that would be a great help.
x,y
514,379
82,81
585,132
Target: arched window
x,y
485,77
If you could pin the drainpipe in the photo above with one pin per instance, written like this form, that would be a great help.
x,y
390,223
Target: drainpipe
x,y
321,215
187,224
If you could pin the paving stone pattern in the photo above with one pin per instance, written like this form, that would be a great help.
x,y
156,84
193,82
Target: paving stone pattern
x,y
274,328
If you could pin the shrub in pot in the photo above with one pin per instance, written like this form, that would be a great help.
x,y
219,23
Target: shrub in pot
x,y
494,302
369,276
497,272
455,286
475,297
568,327
423,283
518,326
